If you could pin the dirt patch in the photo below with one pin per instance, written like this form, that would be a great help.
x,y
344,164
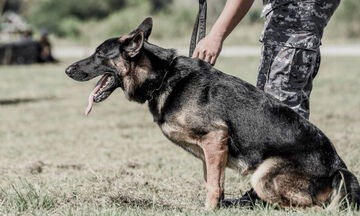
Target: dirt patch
x,y
69,166
134,165
39,167
143,203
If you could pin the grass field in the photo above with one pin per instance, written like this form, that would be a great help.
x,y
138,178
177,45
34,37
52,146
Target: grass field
x,y
56,161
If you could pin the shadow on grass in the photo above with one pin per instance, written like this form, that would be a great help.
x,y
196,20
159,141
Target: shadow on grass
x,y
17,101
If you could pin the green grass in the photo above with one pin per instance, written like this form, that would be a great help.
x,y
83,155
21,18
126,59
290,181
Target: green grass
x,y
56,161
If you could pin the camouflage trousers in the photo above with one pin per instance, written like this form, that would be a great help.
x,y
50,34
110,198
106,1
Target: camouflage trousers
x,y
291,55
287,73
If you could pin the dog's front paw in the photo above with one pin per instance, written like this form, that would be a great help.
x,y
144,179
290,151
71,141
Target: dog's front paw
x,y
212,202
211,205
213,197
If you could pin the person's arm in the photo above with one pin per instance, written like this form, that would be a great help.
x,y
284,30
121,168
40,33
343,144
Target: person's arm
x,y
208,49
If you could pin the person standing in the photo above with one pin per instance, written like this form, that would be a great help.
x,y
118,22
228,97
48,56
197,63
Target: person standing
x,y
291,38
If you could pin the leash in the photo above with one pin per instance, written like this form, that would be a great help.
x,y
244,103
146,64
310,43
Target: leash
x,y
200,25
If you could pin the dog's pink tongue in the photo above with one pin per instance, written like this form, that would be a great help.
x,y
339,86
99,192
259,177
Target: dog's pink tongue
x,y
100,83
91,99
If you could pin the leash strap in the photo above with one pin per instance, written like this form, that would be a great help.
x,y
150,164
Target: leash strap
x,y
200,25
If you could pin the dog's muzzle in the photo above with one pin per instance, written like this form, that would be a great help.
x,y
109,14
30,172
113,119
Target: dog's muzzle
x,y
73,72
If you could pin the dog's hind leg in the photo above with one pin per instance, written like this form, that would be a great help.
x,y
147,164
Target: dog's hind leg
x,y
215,149
278,183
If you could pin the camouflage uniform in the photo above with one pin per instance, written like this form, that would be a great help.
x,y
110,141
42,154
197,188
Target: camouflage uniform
x,y
290,54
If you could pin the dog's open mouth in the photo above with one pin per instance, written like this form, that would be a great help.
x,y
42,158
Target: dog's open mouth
x,y
104,87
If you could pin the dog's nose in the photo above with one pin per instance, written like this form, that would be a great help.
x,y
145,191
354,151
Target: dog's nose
x,y
70,70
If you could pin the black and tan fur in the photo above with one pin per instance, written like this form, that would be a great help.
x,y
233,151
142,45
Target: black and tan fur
x,y
225,122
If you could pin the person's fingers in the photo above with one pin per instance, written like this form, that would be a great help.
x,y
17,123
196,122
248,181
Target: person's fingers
x,y
202,55
213,60
208,58
195,53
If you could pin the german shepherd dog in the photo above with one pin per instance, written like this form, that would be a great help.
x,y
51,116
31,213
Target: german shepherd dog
x,y
224,121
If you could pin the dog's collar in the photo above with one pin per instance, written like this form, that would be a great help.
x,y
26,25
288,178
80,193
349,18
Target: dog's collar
x,y
162,80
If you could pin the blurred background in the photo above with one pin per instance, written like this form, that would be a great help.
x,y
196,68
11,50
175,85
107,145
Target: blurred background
x,y
56,161
86,23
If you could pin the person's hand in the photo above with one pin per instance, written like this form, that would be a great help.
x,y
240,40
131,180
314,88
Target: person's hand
x,y
208,49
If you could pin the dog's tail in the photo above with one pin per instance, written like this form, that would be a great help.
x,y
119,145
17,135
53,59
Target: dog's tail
x,y
346,190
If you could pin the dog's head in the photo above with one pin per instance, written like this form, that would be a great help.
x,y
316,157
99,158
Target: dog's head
x,y
121,62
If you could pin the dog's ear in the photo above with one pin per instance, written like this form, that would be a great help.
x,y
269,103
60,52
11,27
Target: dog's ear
x,y
146,27
132,44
